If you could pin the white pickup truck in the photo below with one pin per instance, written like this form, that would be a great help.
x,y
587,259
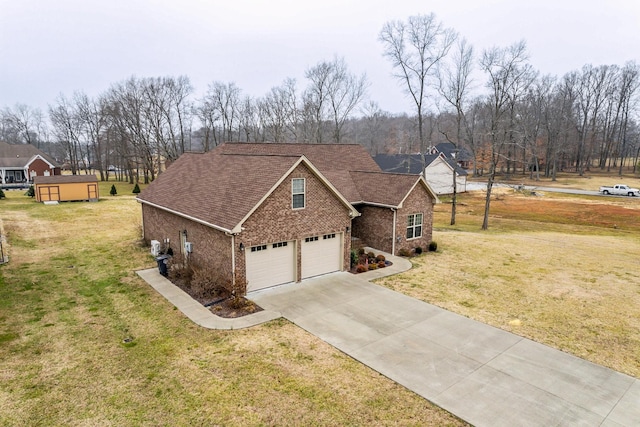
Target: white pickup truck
x,y
620,190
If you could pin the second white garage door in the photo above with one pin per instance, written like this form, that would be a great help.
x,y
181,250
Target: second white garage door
x,y
321,254
269,265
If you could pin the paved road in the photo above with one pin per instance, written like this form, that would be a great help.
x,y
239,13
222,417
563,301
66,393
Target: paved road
x,y
482,186
482,374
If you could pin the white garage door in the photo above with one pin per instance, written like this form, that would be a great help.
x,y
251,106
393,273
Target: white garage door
x,y
321,254
269,265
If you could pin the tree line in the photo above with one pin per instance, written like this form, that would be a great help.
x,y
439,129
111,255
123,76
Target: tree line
x,y
493,104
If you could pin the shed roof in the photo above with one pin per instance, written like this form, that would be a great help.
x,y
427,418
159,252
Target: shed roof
x,y
64,179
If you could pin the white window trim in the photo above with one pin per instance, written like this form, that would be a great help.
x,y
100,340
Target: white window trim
x,y
304,193
421,225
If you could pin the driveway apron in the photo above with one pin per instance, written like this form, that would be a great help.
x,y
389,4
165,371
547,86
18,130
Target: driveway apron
x,y
484,375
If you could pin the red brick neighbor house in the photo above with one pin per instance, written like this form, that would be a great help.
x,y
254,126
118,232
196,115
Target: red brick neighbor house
x,y
20,163
266,214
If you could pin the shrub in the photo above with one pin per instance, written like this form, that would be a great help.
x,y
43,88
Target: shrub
x,y
240,302
418,250
361,251
371,255
433,246
380,258
136,189
361,268
404,252
2,196
113,191
354,258
31,192
381,264
373,266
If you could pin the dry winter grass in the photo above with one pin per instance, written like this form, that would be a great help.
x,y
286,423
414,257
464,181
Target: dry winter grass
x,y
84,342
561,270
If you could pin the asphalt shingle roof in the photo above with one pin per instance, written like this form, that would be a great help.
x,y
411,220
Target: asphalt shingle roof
x,y
17,155
403,163
64,179
221,187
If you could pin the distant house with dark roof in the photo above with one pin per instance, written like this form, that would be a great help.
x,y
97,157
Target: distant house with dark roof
x,y
260,215
461,156
438,170
20,163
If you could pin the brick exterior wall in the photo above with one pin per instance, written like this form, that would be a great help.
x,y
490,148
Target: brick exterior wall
x,y
418,201
374,227
274,221
39,166
211,248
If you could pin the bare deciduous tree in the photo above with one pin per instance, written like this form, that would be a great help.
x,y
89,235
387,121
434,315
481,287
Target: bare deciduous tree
x,y
415,48
454,87
332,95
508,77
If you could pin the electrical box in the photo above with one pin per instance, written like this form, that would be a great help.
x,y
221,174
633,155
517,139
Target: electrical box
x,y
155,248
188,247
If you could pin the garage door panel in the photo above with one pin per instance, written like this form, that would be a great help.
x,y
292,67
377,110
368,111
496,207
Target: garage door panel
x,y
321,254
270,265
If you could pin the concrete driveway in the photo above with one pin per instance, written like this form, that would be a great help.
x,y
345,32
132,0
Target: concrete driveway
x,y
483,375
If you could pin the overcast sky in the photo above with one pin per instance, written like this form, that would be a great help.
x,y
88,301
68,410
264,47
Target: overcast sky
x,y
48,47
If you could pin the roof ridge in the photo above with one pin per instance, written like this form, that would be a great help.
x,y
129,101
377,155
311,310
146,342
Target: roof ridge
x,y
262,155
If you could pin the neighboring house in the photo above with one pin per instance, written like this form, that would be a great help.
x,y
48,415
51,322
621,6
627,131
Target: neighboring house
x,y
438,171
461,156
20,163
66,188
259,215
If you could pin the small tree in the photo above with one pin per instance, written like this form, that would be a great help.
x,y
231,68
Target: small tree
x,y
2,196
136,189
113,191
31,192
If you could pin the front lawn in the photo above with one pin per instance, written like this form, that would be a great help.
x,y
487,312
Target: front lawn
x,y
84,341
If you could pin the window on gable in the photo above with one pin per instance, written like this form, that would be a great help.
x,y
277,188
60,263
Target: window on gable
x,y
297,193
414,226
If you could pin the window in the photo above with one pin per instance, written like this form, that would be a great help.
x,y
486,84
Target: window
x,y
258,248
311,239
279,245
297,193
414,226
329,236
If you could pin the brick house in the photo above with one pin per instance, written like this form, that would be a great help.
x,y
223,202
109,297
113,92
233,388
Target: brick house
x,y
20,163
260,215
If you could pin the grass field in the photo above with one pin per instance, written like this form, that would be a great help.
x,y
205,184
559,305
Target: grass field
x,y
85,342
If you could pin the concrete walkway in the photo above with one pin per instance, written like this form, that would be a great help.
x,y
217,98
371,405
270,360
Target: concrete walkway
x,y
482,374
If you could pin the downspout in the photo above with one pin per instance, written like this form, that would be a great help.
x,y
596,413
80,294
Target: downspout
x,y
393,235
233,261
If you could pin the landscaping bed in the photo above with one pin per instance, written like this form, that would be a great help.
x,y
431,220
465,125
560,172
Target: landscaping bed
x,y
211,292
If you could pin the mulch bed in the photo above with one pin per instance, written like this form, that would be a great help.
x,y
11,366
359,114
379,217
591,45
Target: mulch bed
x,y
220,301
